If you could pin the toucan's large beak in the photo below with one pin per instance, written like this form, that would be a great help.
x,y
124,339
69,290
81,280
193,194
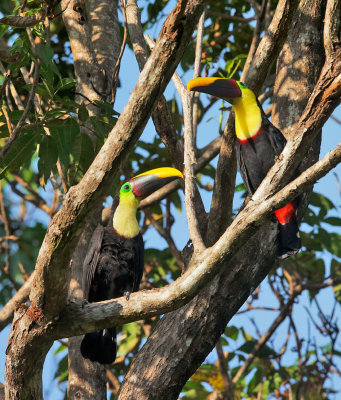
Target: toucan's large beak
x,y
226,89
145,184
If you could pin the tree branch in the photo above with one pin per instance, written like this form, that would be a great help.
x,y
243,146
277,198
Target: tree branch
x,y
202,268
49,294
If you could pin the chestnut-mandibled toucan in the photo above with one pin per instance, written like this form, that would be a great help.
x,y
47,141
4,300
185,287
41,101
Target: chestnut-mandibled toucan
x,y
259,144
114,264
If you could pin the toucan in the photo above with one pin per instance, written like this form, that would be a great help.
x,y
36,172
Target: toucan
x,y
258,146
114,264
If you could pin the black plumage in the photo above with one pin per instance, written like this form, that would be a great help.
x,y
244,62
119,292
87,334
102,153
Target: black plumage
x,y
255,157
113,267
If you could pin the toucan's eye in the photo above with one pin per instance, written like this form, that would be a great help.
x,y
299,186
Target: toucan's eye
x,y
241,84
126,187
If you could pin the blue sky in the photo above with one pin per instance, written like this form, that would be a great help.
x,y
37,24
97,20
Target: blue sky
x,y
327,186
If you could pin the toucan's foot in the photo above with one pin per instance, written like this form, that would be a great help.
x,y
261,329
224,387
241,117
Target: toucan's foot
x,y
84,303
127,295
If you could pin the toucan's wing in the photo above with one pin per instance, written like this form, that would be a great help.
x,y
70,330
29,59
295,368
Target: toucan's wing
x,y
243,170
91,260
139,261
275,136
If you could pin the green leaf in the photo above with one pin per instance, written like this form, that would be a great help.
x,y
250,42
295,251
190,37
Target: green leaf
x,y
232,332
83,113
265,351
318,200
65,83
21,150
335,221
107,107
62,370
48,156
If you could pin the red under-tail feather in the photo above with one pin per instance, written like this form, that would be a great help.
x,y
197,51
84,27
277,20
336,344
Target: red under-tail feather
x,y
288,237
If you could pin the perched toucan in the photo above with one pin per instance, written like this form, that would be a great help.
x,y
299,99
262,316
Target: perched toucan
x,y
114,264
259,144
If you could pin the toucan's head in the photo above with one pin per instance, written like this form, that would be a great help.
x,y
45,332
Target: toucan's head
x,y
125,222
145,184
226,89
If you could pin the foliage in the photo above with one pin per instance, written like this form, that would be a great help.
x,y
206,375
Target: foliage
x,y
52,152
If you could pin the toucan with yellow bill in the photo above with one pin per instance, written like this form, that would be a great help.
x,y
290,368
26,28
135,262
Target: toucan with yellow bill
x,y
114,264
259,144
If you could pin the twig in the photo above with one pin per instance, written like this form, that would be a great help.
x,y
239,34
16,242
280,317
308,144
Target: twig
x,y
8,121
118,62
34,198
336,119
231,18
261,342
172,247
113,382
25,113
227,382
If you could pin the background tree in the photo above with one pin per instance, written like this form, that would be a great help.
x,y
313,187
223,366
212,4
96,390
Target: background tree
x,y
65,149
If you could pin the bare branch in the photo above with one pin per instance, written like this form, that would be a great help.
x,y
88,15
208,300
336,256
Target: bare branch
x,y
331,33
285,310
230,17
7,311
24,22
227,382
25,113
118,62
198,46
189,161
172,247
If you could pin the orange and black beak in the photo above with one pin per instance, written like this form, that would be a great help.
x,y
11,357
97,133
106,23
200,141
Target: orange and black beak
x,y
226,89
145,184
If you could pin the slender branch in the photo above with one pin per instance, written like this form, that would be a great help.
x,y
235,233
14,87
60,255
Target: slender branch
x,y
198,46
332,25
39,201
118,62
227,382
33,198
189,161
24,22
230,17
25,113
255,37
7,311
285,310
196,73
205,156
172,247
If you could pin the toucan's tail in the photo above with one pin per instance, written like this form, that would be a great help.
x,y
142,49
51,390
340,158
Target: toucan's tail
x,y
288,236
100,346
